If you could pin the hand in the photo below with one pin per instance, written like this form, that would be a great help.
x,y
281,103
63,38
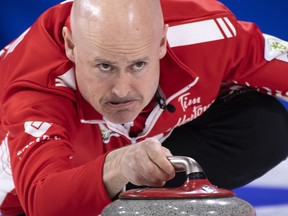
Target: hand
x,y
144,163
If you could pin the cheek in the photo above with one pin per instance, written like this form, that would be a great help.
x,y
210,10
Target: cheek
x,y
89,87
155,75
151,83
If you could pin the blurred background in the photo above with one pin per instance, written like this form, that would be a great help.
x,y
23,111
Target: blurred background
x,y
269,194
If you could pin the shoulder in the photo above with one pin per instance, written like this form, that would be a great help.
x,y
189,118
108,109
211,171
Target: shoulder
x,y
55,16
39,53
198,21
182,10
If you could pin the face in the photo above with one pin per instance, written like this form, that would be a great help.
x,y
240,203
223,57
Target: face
x,y
118,74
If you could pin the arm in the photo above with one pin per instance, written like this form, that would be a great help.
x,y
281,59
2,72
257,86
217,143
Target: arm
x,y
45,180
260,61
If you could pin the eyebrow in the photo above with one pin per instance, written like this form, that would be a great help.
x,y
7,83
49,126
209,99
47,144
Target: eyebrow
x,y
96,59
102,60
144,59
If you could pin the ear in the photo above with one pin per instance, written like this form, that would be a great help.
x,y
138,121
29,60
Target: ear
x,y
163,43
68,43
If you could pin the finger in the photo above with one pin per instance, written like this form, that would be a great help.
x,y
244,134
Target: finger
x,y
150,181
166,152
158,155
148,174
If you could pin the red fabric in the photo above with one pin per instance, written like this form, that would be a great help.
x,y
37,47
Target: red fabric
x,y
11,205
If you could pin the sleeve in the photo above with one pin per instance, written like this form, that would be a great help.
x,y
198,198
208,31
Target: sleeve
x,y
41,151
258,60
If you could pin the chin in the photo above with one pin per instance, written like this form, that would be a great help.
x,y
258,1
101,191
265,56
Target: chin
x,y
122,119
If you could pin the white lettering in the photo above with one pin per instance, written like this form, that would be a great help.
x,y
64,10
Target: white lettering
x,y
186,102
196,112
39,140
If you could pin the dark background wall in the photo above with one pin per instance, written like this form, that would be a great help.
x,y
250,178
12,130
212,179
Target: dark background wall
x,y
270,16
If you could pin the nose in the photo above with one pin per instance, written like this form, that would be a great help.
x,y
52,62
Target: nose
x,y
121,86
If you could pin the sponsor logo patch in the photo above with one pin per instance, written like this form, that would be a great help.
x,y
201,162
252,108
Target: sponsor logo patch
x,y
36,128
275,48
107,133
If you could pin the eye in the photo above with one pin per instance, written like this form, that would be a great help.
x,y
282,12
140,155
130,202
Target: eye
x,y
139,65
104,67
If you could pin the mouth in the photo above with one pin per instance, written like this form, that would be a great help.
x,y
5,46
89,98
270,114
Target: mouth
x,y
121,105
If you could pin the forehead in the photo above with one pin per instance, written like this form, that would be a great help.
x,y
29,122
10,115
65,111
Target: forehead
x,y
109,44
118,42
117,29
116,19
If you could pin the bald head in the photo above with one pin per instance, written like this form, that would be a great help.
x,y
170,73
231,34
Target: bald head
x,y
116,46
108,18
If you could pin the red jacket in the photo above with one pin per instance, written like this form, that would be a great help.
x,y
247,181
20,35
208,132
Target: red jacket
x,y
57,142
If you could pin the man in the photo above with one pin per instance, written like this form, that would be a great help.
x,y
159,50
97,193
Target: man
x,y
96,100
